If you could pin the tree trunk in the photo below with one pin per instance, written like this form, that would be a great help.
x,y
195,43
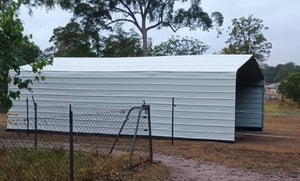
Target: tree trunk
x,y
145,44
144,34
4,92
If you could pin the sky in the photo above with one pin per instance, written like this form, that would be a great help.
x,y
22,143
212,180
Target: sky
x,y
281,16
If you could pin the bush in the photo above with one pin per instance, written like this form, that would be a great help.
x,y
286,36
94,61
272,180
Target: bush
x,y
291,87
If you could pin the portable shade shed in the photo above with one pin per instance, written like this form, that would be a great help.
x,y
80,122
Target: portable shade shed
x,y
214,94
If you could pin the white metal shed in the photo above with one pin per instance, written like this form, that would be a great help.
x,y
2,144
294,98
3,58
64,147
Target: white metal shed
x,y
214,94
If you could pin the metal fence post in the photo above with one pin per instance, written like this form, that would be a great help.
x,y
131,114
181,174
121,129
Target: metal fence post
x,y
35,125
173,105
71,144
134,137
27,116
150,134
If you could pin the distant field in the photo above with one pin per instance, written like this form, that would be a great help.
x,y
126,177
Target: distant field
x,y
278,108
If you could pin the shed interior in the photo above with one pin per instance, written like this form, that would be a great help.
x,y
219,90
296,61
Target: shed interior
x,y
249,97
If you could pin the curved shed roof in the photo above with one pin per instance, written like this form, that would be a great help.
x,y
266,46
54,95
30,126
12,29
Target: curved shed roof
x,y
197,63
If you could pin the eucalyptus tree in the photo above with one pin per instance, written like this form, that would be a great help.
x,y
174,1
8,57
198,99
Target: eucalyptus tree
x,y
145,15
246,37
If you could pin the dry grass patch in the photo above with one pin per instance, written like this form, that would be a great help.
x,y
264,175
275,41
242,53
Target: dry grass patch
x,y
30,164
154,172
3,119
144,172
270,144
108,166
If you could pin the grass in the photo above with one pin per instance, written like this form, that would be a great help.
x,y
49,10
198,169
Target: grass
x,y
29,164
52,162
144,172
279,108
26,164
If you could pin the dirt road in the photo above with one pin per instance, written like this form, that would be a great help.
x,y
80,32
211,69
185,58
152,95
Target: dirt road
x,y
192,170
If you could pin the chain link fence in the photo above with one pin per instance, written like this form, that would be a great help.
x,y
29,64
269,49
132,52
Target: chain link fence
x,y
77,142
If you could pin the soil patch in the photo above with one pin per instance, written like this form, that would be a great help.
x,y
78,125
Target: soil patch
x,y
191,170
282,123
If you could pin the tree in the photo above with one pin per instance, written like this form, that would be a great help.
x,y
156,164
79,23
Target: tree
x,y
177,46
29,51
12,46
269,73
145,15
279,72
246,37
284,70
70,41
48,4
291,87
122,44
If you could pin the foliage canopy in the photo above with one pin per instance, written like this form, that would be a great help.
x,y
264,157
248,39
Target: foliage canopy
x,y
177,46
279,72
122,44
246,37
13,48
71,41
291,87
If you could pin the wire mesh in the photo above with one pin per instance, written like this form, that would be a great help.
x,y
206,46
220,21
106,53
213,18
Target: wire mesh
x,y
94,132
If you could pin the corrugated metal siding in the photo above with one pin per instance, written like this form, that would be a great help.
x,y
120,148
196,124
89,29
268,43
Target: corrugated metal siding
x,y
249,105
205,102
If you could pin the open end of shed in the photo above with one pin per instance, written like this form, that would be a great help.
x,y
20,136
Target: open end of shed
x,y
249,97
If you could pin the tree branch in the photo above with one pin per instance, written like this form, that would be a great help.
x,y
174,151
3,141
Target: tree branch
x,y
134,21
173,28
119,20
141,9
154,26
147,6
161,18
122,10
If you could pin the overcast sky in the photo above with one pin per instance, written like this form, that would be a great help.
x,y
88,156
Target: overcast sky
x,y
281,16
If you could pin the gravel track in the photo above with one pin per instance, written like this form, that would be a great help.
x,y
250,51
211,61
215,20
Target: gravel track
x,y
191,170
